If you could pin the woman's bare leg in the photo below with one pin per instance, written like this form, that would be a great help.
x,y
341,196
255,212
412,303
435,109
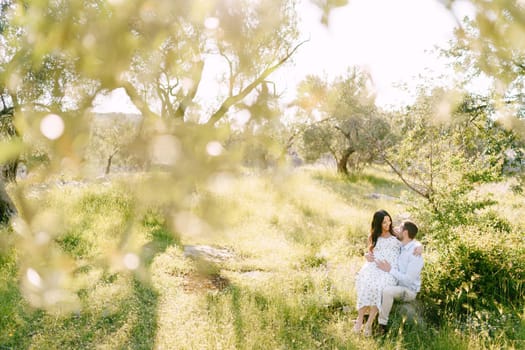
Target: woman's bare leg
x,y
371,317
360,317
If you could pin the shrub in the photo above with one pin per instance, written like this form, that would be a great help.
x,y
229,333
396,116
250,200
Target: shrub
x,y
477,272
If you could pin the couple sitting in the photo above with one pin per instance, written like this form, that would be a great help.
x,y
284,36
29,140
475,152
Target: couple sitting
x,y
392,271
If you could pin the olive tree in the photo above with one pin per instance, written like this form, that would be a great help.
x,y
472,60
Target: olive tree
x,y
341,120
111,143
489,45
443,154
189,67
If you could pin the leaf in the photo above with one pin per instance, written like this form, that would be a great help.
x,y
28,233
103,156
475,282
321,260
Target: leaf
x,y
10,150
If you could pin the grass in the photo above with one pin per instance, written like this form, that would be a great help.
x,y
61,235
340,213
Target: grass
x,y
297,241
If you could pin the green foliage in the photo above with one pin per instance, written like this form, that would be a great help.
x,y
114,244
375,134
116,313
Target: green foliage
x,y
10,319
261,148
341,120
478,270
493,222
74,244
315,260
296,241
58,58
104,266
109,202
110,301
486,44
111,143
448,147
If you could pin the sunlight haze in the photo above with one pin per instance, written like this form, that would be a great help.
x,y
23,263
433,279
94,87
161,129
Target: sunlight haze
x,y
393,40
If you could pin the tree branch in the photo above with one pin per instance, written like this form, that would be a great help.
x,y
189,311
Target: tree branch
x,y
197,70
292,137
3,102
137,100
520,65
164,93
230,101
345,134
232,76
408,184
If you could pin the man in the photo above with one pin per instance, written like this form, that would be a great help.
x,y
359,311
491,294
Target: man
x,y
408,273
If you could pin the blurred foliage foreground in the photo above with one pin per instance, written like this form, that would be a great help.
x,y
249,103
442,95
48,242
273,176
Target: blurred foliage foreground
x,y
119,264
278,273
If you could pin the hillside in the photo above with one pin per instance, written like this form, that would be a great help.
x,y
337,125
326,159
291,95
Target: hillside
x,y
272,267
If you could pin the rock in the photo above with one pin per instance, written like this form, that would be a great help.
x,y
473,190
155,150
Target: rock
x,y
413,311
381,196
208,253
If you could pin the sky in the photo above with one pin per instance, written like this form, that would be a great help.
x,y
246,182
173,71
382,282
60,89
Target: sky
x,y
392,39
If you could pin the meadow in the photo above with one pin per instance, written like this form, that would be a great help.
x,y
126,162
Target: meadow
x,y
275,272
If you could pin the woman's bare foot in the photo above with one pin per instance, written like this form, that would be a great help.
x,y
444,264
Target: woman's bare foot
x,y
368,331
357,327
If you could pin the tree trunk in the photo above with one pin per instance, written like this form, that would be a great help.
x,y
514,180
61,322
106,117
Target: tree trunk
x,y
342,164
108,165
9,171
7,208
8,131
110,159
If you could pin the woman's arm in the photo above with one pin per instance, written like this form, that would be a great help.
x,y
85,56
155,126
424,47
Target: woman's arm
x,y
370,257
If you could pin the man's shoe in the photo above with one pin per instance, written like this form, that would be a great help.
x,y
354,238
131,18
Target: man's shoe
x,y
382,329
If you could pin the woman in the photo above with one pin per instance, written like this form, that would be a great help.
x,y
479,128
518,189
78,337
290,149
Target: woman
x,y
370,280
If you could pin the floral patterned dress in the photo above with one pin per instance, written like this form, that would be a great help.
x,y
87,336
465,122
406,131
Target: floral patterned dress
x,y
370,280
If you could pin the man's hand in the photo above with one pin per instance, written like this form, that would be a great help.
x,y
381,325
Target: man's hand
x,y
383,265
370,257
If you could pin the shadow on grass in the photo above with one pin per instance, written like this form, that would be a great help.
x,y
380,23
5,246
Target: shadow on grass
x,y
359,189
158,245
374,180
17,323
143,332
270,320
261,321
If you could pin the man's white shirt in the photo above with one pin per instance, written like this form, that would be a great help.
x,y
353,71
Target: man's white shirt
x,y
408,271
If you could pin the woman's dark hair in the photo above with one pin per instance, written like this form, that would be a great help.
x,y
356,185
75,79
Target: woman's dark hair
x,y
376,228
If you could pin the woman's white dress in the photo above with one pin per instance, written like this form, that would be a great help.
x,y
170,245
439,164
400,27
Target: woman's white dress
x,y
370,280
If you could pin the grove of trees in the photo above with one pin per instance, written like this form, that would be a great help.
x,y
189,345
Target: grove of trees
x,y
56,57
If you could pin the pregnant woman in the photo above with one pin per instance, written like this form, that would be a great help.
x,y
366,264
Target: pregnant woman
x,y
370,280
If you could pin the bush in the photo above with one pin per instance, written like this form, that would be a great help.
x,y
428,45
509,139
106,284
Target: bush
x,y
479,272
